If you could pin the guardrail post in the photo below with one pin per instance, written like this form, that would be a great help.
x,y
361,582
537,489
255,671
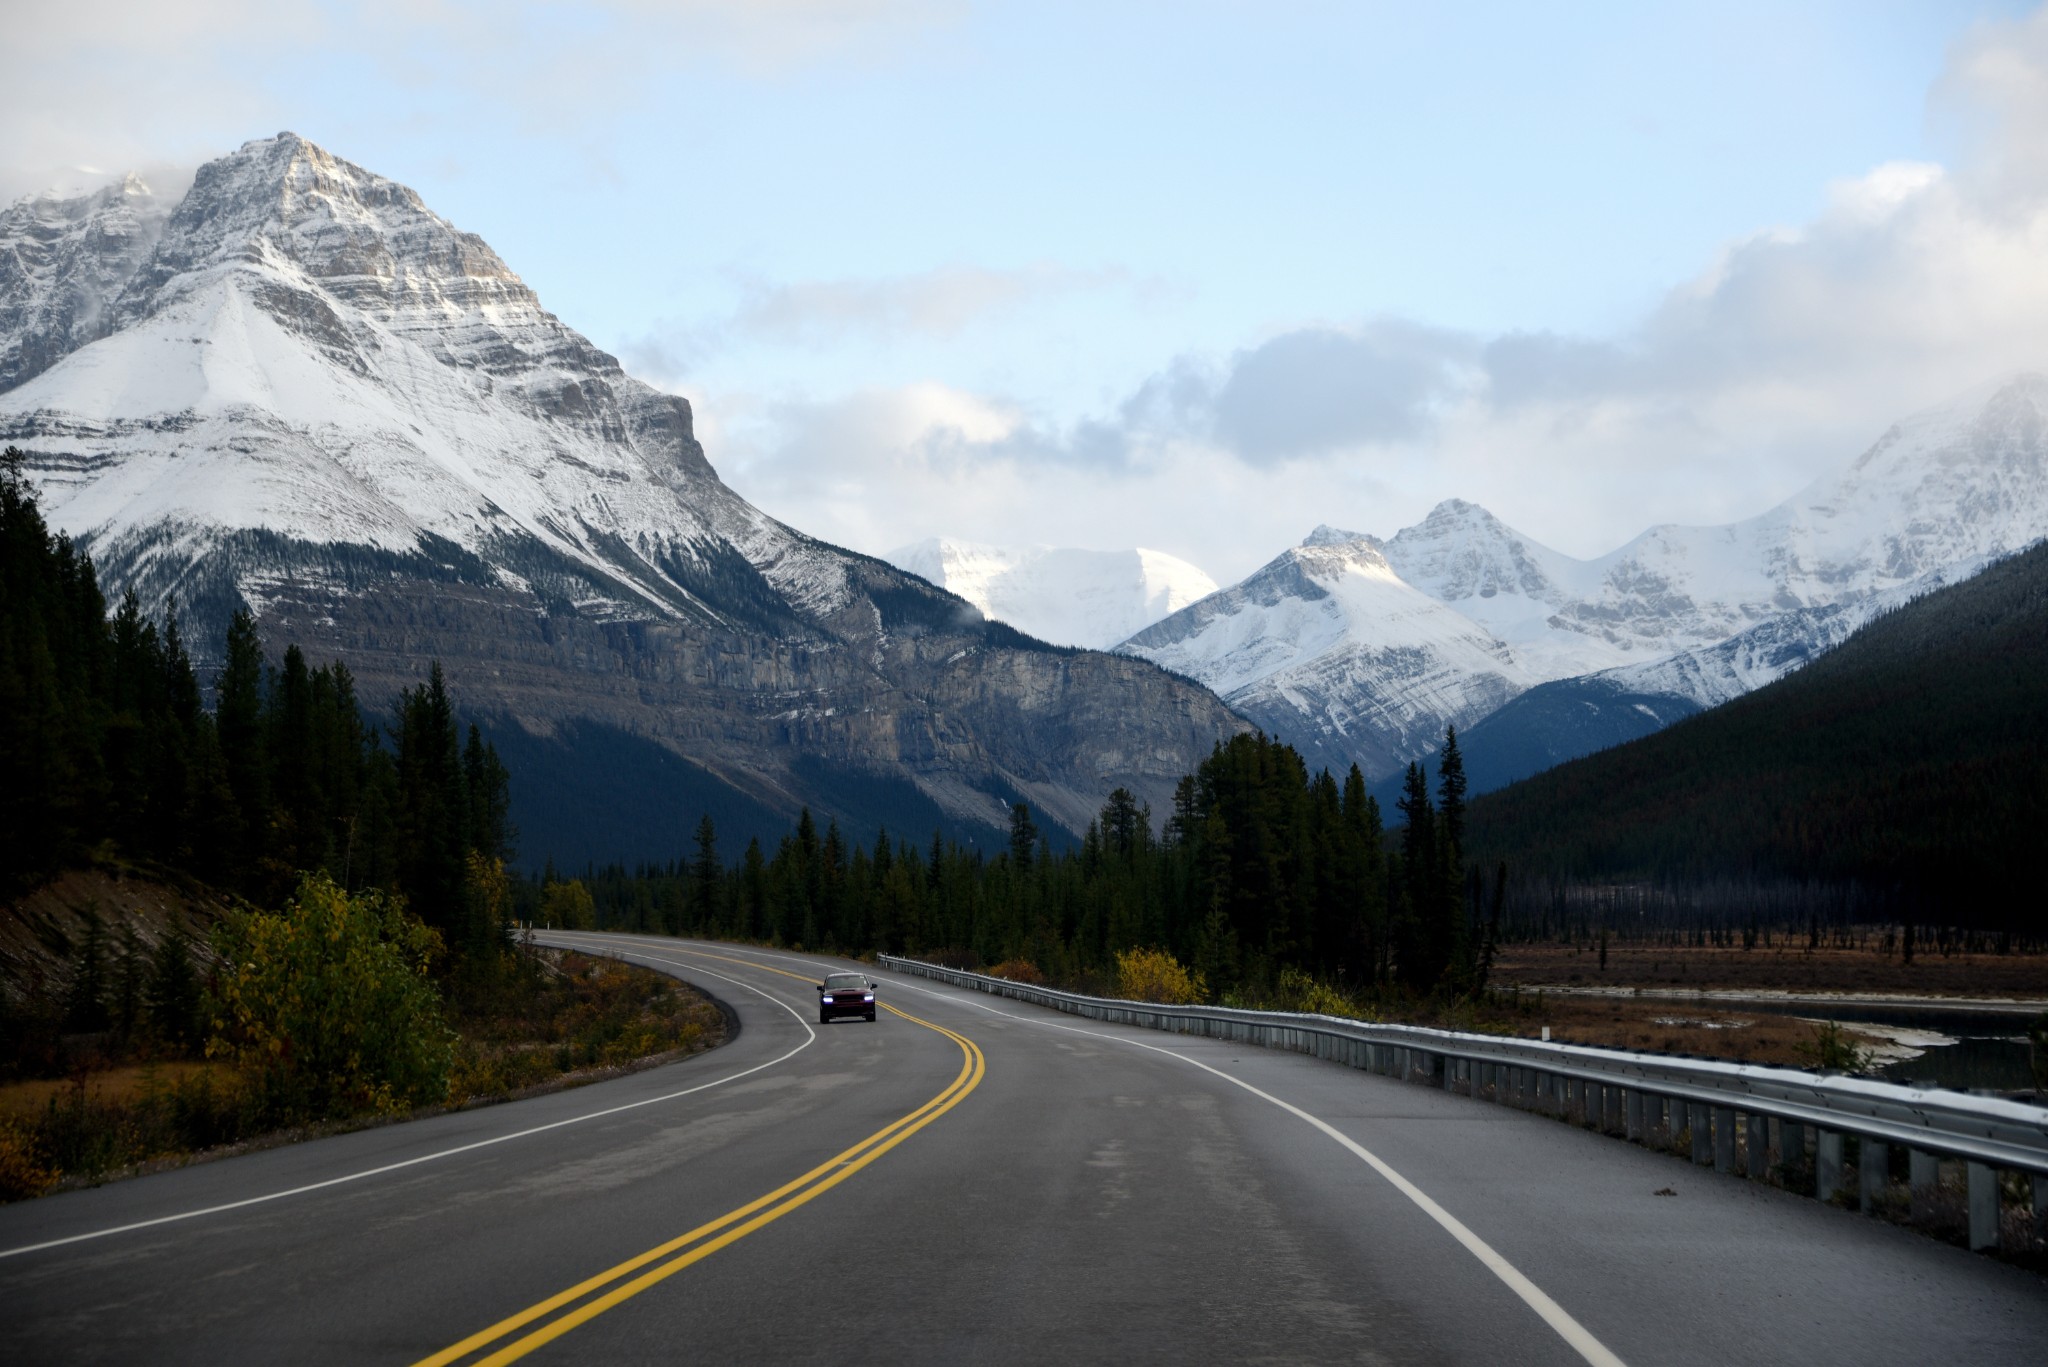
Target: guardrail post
x,y
1724,1139
2041,1205
1610,1114
1758,1145
1827,1164
1701,1122
1873,1169
1635,1114
1451,1067
1983,1207
1924,1172
1791,1146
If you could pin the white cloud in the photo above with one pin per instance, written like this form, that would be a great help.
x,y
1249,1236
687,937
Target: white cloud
x,y
937,303
125,83
816,315
1784,356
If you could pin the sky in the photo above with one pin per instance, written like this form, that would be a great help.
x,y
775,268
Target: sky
x,y
1197,276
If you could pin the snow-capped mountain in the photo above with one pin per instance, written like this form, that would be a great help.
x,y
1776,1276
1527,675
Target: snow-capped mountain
x,y
1679,618
1069,597
302,390
1327,647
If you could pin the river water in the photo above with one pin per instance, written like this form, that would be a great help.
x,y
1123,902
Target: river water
x,y
1979,1047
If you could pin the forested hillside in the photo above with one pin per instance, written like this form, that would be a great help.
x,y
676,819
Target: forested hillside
x,y
1901,776
107,744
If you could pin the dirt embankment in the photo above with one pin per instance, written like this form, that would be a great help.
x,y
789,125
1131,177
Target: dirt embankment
x,y
42,932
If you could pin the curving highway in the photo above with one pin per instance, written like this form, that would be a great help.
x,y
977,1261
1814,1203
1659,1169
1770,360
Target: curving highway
x,y
971,1179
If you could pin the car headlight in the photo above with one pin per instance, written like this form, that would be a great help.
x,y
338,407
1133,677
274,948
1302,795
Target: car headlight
x,y
826,1000
869,997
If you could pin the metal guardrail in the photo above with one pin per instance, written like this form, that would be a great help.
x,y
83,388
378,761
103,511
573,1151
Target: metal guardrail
x,y
1640,1096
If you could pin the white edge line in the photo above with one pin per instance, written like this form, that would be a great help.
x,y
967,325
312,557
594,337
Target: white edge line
x,y
811,1037
1570,1330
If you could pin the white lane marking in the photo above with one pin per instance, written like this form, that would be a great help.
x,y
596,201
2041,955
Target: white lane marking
x,y
1570,1330
810,1038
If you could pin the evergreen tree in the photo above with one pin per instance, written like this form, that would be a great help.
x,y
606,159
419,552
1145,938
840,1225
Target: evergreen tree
x,y
1024,836
704,876
238,718
173,993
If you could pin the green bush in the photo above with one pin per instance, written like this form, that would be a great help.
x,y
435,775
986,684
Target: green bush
x,y
327,1005
1834,1049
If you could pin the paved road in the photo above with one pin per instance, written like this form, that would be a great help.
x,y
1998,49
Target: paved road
x,y
979,1180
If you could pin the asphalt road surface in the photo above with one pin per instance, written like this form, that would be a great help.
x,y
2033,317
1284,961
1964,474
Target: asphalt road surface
x,y
972,1179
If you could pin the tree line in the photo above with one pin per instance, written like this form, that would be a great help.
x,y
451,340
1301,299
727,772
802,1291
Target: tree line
x,y
1260,871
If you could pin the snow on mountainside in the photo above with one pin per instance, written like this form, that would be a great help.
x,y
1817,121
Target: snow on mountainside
x,y
1698,614
303,391
1328,648
310,351
1066,596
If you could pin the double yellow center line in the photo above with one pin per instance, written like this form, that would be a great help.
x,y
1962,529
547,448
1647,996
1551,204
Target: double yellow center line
x,y
593,1296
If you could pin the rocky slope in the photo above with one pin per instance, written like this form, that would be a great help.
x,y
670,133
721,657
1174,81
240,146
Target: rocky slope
x,y
304,391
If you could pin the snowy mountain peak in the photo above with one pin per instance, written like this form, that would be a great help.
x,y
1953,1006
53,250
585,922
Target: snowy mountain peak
x,y
1326,535
1327,646
306,350
319,221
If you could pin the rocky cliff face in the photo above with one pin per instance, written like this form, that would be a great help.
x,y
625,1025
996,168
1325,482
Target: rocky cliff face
x,y
309,394
67,259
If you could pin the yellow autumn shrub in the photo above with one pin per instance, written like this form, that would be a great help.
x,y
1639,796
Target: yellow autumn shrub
x,y
1153,975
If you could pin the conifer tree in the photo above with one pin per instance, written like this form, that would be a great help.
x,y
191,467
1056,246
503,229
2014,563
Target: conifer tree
x,y
1023,836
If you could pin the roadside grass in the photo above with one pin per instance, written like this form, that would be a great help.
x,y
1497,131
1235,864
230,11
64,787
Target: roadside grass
x,y
556,1019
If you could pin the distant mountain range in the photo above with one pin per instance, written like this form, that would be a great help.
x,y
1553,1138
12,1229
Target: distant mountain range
x,y
1361,650
300,390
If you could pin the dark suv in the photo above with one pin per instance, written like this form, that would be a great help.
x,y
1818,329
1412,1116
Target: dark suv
x,y
845,994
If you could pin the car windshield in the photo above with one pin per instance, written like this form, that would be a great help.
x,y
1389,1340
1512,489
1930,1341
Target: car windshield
x,y
846,982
